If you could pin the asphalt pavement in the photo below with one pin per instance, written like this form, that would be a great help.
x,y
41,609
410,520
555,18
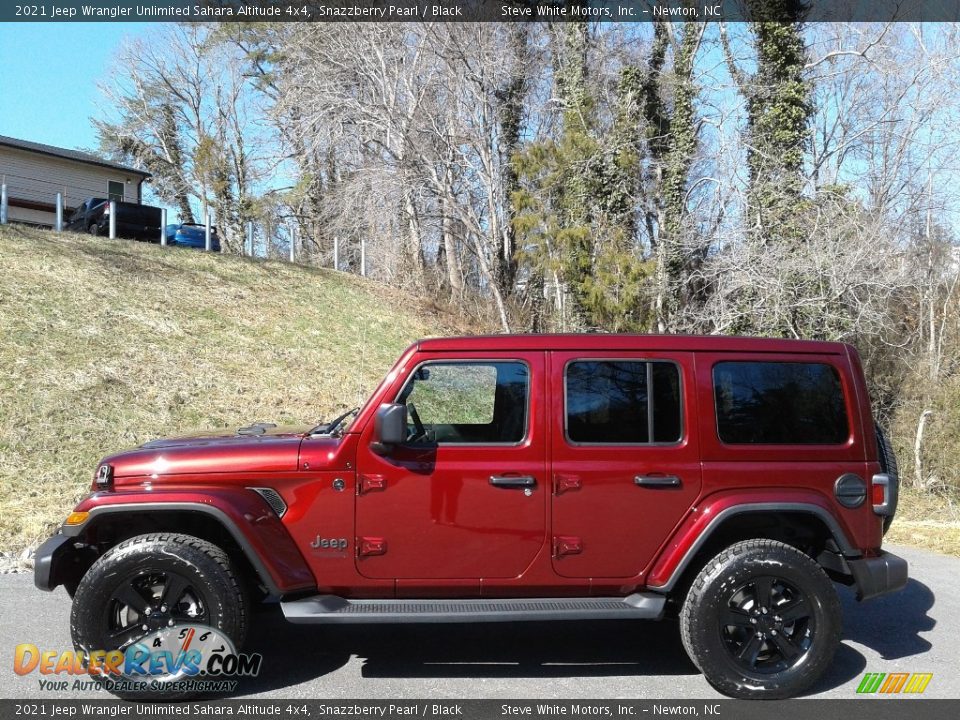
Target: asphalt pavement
x,y
917,630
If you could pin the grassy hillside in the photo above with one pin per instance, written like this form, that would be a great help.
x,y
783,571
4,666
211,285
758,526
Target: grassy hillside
x,y
106,344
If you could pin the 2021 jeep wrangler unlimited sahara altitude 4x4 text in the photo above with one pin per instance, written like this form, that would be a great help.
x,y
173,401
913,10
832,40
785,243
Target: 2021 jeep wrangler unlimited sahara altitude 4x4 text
x,y
729,481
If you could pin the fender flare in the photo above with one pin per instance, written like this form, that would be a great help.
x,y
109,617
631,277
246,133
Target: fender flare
x,y
846,548
273,580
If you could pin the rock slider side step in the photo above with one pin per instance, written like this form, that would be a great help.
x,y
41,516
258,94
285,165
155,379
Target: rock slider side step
x,y
335,609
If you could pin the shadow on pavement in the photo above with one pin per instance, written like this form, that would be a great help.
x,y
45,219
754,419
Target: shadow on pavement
x,y
296,653
890,625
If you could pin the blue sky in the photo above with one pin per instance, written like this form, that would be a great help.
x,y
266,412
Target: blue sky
x,y
48,78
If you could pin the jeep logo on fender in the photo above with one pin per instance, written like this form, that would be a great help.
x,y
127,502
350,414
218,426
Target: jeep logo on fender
x,y
323,543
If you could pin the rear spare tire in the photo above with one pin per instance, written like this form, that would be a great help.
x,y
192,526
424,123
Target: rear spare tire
x,y
888,465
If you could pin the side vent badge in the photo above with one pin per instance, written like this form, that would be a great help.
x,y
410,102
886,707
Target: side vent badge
x,y
273,499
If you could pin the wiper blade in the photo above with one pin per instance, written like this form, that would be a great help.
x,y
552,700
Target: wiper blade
x,y
330,427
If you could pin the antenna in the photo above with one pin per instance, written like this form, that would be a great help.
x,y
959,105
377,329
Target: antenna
x,y
363,349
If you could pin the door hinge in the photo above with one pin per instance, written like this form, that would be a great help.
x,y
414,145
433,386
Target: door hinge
x,y
563,483
370,483
567,545
368,546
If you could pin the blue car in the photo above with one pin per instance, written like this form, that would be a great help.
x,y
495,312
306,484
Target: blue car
x,y
192,235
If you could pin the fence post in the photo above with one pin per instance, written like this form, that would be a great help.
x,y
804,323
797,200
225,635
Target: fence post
x,y
363,256
336,252
58,226
293,243
113,219
250,238
163,227
207,240
3,204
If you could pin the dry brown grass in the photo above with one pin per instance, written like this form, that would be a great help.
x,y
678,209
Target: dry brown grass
x,y
927,520
106,344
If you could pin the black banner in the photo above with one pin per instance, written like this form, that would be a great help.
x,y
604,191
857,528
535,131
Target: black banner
x,y
876,709
470,10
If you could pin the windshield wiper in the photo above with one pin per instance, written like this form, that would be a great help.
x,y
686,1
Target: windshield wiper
x,y
331,427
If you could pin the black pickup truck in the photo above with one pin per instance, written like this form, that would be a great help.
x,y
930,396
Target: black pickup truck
x,y
138,222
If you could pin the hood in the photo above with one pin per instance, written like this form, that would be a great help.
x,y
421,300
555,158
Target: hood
x,y
256,448
257,432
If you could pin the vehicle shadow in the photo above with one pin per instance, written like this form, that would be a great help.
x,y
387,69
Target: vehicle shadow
x,y
296,653
890,625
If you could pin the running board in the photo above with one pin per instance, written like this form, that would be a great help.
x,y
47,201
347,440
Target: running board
x,y
334,609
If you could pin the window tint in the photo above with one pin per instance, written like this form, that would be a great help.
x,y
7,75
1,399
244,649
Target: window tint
x,y
467,402
608,401
779,403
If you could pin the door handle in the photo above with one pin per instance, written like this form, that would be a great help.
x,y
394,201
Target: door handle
x,y
657,481
513,481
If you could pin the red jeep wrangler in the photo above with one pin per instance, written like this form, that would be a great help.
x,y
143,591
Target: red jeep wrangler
x,y
569,477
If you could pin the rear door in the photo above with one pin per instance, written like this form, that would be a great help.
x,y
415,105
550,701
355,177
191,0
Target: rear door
x,y
785,421
625,459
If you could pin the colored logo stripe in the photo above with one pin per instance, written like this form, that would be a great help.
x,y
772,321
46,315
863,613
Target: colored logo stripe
x,y
894,683
870,682
918,682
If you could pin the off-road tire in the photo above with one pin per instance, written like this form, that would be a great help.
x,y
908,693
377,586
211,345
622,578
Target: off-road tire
x,y
205,565
708,640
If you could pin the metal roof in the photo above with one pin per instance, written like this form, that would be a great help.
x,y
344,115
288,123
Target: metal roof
x,y
75,155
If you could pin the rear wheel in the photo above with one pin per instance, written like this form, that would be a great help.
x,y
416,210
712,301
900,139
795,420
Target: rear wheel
x,y
94,229
152,582
761,620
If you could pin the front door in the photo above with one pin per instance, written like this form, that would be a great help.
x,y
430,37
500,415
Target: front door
x,y
465,496
625,461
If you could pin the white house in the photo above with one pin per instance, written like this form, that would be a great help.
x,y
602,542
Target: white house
x,y
34,173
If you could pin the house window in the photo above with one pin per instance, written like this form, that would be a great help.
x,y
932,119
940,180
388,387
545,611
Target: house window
x,y
115,191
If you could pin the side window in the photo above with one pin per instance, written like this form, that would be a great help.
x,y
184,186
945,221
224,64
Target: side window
x,y
779,403
115,191
478,403
620,402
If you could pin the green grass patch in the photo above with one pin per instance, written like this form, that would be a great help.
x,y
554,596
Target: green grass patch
x,y
107,344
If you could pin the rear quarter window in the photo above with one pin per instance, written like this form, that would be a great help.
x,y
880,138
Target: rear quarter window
x,y
779,403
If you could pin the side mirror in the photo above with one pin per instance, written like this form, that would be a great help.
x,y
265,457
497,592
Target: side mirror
x,y
389,428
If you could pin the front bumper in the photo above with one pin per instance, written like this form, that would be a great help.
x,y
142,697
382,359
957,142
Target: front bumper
x,y
879,575
59,561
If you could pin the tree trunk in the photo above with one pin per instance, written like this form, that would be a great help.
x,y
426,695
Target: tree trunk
x,y
918,481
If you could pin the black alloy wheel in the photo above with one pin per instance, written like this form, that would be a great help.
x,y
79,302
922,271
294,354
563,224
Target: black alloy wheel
x,y
761,620
148,602
152,582
768,625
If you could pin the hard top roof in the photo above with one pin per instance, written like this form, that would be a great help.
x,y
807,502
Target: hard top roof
x,y
628,342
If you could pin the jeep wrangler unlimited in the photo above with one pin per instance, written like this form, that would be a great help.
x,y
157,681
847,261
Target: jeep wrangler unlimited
x,y
725,481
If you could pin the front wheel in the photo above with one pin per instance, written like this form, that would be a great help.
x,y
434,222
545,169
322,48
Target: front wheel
x,y
761,620
153,582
